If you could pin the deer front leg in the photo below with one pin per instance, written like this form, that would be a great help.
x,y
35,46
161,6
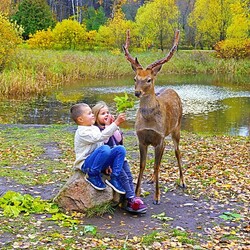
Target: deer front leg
x,y
158,156
143,157
176,139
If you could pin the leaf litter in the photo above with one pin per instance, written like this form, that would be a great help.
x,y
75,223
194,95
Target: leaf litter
x,y
213,211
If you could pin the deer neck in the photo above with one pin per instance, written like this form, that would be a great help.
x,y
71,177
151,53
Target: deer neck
x,y
149,106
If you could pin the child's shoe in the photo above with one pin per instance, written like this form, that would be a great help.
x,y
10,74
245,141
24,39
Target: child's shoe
x,y
116,185
96,182
136,205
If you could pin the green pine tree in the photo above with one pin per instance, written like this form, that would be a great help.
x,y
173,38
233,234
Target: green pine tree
x,y
95,18
33,15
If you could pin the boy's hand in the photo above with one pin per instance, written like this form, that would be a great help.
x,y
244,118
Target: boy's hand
x,y
120,119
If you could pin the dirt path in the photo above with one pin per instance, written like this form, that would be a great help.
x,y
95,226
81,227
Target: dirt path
x,y
199,217
183,212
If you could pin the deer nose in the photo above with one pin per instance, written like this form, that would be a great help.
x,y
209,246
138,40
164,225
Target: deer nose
x,y
137,93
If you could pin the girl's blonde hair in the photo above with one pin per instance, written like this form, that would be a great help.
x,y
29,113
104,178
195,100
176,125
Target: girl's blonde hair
x,y
96,109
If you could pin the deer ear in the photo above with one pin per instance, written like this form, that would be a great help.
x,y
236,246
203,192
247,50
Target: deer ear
x,y
135,66
156,69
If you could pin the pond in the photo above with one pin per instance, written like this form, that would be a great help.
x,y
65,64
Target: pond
x,y
214,105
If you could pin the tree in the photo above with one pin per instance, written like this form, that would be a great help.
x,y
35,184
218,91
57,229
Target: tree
x,y
156,22
211,19
239,27
113,34
9,39
33,15
94,18
237,42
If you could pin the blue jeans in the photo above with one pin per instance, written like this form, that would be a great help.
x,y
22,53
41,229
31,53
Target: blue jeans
x,y
102,158
126,180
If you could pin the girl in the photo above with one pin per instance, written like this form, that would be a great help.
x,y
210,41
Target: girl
x,y
103,119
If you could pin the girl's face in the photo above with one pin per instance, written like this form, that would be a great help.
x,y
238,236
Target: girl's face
x,y
103,116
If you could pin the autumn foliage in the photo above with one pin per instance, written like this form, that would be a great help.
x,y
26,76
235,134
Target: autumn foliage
x,y
68,34
8,40
42,39
233,48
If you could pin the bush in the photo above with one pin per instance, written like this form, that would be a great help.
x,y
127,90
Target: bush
x,y
233,48
69,34
9,39
42,39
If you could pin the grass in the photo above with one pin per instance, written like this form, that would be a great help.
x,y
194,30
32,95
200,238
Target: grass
x,y
100,210
36,232
149,238
183,237
34,72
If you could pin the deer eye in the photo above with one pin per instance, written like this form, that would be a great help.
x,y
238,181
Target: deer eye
x,y
135,79
149,80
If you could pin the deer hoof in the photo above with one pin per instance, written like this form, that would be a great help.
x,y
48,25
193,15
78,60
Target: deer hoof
x,y
183,185
156,202
150,181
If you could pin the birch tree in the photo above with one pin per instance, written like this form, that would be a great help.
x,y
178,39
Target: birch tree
x,y
156,22
217,20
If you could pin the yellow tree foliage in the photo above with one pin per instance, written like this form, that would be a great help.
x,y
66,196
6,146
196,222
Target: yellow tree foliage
x,y
42,39
113,34
217,20
69,34
240,22
156,22
211,19
9,39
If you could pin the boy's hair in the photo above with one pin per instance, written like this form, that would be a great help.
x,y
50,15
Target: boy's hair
x,y
77,110
96,109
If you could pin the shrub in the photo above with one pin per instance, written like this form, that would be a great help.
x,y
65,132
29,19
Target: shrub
x,y
91,39
69,34
233,48
9,39
42,39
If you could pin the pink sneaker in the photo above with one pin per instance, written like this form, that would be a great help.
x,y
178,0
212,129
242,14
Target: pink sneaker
x,y
136,205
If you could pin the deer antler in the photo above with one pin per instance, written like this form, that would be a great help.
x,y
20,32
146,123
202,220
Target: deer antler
x,y
132,60
169,55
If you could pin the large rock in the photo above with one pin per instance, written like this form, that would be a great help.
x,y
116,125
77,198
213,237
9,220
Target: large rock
x,y
78,195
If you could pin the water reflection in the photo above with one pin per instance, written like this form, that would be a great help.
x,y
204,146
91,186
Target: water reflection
x,y
210,105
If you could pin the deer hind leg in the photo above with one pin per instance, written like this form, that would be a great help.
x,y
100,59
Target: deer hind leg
x,y
176,140
158,156
143,156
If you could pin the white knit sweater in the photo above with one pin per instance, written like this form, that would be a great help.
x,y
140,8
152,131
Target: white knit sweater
x,y
87,139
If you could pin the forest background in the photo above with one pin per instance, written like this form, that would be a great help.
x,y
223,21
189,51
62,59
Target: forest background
x,y
97,26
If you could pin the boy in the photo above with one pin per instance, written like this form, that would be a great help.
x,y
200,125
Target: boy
x,y
92,156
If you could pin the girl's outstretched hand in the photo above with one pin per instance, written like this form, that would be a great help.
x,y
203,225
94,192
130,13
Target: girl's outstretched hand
x,y
120,119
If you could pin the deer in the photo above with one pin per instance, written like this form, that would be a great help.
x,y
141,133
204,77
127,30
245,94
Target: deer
x,y
158,115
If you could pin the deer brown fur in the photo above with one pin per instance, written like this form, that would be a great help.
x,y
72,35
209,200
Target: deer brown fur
x,y
158,116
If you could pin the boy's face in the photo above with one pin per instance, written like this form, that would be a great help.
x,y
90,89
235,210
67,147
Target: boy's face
x,y
87,118
103,116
